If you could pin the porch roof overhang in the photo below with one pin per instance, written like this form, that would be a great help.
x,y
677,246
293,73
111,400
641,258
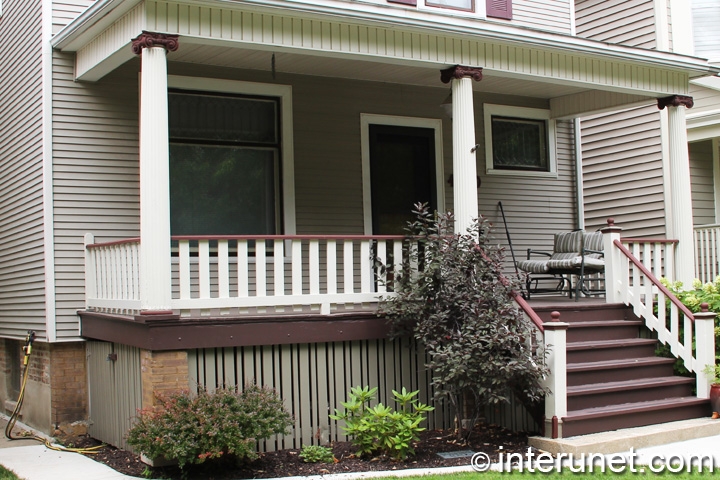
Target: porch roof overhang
x,y
343,39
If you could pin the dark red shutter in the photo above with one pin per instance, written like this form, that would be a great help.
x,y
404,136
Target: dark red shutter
x,y
404,2
499,9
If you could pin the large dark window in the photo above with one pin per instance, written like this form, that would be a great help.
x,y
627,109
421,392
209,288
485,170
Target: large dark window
x,y
224,164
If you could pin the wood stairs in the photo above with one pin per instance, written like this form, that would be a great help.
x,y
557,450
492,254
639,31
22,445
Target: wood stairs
x,y
614,378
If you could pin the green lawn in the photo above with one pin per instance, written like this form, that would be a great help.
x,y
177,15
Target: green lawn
x,y
6,474
565,475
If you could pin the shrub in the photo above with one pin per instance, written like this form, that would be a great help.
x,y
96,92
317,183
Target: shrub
x,y
379,428
316,453
194,428
458,305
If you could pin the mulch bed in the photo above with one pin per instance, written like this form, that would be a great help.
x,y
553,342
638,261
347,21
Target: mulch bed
x,y
284,463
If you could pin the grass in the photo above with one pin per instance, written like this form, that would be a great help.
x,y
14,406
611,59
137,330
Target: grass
x,y
564,475
6,474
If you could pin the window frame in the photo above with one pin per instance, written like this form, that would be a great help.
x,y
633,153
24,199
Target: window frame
x,y
286,208
430,4
524,113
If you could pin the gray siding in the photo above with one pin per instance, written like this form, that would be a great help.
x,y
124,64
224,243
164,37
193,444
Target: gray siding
x,y
706,35
627,22
623,171
65,11
706,100
22,279
702,182
550,15
95,174
96,162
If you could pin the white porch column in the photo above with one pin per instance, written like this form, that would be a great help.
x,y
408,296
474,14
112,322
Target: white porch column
x,y
680,196
464,163
555,333
155,267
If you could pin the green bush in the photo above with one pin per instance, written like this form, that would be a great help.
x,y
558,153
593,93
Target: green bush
x,y
379,428
316,453
194,428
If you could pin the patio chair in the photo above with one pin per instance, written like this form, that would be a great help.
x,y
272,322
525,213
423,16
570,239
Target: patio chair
x,y
575,254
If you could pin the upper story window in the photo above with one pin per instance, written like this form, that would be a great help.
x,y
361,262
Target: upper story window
x,y
487,8
519,141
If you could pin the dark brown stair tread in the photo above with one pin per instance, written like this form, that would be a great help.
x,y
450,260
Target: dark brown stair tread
x,y
621,363
605,323
591,388
598,344
636,407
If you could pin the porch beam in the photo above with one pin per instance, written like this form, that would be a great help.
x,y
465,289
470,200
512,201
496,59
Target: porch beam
x,y
155,262
465,198
680,198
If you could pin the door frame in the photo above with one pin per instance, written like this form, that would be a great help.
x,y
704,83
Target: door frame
x,y
366,120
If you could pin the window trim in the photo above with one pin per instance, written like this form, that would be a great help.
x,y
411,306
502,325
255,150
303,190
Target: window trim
x,y
287,161
490,110
367,119
430,4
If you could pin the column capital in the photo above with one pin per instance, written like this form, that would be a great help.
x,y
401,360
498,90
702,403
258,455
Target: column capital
x,y
675,101
460,71
151,39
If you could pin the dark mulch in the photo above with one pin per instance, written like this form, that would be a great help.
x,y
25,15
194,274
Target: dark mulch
x,y
283,463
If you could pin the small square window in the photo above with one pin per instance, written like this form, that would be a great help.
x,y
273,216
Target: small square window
x,y
519,141
467,5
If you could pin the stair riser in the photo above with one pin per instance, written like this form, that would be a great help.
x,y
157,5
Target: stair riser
x,y
587,334
629,372
601,354
580,402
615,422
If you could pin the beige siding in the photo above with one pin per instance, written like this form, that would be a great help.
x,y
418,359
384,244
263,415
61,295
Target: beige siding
x,y
622,171
702,184
64,11
22,280
627,22
706,100
550,15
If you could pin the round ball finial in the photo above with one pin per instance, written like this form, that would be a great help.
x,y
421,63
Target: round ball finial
x,y
555,315
704,307
611,222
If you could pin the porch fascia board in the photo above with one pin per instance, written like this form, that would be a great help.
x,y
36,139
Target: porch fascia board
x,y
594,102
172,332
381,34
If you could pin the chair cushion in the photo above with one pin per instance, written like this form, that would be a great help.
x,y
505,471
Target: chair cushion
x,y
568,242
533,266
594,241
574,263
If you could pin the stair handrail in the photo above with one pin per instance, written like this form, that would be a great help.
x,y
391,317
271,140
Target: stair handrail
x,y
525,306
642,298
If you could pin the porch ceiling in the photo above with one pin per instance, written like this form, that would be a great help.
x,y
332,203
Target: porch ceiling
x,y
360,70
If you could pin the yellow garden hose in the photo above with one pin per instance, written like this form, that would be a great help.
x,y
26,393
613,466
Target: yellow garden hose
x,y
16,412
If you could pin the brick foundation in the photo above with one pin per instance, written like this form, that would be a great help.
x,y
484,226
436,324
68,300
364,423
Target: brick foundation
x,y
68,387
163,373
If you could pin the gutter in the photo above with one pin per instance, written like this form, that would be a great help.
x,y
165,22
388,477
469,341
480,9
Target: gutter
x,y
368,13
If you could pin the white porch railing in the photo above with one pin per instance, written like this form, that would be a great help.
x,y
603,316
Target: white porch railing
x,y
226,274
707,252
632,279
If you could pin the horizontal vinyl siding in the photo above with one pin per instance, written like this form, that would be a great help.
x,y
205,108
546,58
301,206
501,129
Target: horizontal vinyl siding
x,y
626,22
67,10
706,35
22,267
623,171
706,100
549,15
95,174
702,182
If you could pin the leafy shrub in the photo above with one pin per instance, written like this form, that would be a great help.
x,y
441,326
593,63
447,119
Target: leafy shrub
x,y
194,428
458,305
379,428
316,454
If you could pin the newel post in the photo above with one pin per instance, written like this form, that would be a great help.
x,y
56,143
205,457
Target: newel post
x,y
613,261
555,333
90,270
704,348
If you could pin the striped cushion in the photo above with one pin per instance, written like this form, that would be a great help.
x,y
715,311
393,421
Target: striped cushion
x,y
533,266
568,242
575,262
594,241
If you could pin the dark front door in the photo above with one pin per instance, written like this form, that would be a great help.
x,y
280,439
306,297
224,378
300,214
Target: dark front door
x,y
402,173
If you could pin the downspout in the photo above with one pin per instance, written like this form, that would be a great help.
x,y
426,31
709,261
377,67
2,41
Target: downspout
x,y
47,175
580,202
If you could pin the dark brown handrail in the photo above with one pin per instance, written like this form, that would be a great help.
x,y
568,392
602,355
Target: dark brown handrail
x,y
257,237
528,310
654,280
649,240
